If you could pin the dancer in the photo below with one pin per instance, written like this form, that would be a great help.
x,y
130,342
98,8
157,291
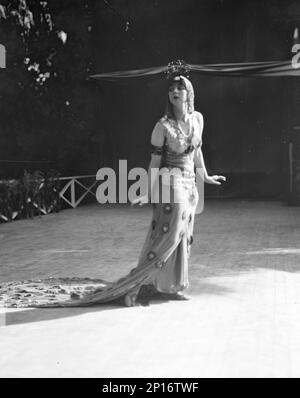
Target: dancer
x,y
163,262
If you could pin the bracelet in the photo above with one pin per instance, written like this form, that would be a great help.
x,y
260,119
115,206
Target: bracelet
x,y
157,150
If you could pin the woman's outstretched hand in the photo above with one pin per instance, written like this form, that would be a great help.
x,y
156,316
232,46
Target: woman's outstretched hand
x,y
215,179
140,201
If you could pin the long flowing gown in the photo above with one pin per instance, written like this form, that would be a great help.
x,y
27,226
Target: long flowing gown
x,y
163,261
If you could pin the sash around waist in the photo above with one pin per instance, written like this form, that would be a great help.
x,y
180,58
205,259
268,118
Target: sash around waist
x,y
183,162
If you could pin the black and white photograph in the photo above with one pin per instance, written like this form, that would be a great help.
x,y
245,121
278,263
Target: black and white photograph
x,y
150,191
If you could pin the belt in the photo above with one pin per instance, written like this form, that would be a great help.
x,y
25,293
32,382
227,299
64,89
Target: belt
x,y
182,168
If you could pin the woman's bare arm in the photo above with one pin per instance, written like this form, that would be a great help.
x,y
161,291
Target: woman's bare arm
x,y
200,165
198,156
199,159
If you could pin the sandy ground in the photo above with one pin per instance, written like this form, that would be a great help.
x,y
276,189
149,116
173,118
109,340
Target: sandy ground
x,y
243,319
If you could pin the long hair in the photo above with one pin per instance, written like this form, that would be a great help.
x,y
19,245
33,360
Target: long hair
x,y
190,96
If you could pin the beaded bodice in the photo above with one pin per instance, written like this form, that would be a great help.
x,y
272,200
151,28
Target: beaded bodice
x,y
179,148
175,140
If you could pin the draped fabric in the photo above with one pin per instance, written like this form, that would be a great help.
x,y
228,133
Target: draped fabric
x,y
264,69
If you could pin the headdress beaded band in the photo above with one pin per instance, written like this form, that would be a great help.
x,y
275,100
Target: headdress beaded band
x,y
177,68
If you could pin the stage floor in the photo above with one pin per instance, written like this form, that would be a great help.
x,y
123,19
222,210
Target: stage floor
x,y
243,319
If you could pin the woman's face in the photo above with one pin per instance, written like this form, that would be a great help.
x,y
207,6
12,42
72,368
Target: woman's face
x,y
177,93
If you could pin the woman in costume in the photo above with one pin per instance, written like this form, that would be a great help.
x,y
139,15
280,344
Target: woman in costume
x,y
163,263
176,141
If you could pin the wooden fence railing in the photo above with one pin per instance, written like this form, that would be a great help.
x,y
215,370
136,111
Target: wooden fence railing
x,y
68,185
71,183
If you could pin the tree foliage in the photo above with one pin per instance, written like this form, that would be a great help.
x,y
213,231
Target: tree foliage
x,y
47,107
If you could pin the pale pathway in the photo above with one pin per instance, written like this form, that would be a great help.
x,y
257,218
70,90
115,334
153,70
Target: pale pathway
x,y
243,319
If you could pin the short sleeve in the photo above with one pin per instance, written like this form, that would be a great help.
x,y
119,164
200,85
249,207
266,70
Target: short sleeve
x,y
158,138
158,135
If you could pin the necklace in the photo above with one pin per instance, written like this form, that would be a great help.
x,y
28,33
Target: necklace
x,y
181,130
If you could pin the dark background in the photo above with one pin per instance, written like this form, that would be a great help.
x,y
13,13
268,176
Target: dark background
x,y
81,125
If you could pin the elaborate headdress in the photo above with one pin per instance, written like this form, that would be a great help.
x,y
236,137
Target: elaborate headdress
x,y
177,68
